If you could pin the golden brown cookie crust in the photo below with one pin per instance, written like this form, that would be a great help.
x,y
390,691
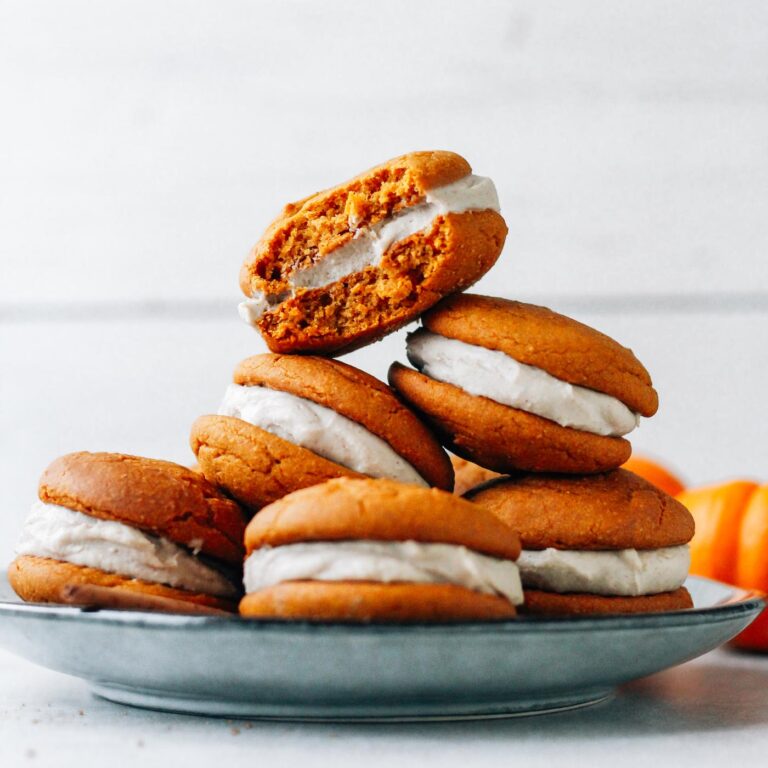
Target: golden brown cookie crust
x,y
576,604
366,601
615,510
156,496
469,475
42,579
565,348
413,275
358,396
253,465
501,438
381,510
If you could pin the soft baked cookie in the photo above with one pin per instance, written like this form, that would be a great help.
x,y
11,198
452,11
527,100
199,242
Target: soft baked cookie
x,y
377,550
605,543
288,422
131,524
513,386
346,266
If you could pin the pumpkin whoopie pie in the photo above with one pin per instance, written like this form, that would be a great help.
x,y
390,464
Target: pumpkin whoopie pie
x,y
135,526
514,386
346,266
377,550
605,543
289,421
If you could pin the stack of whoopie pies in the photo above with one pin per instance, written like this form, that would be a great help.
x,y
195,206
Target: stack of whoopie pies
x,y
537,406
345,480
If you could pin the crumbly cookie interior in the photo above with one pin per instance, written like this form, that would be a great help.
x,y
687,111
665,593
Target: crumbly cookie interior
x,y
364,299
312,228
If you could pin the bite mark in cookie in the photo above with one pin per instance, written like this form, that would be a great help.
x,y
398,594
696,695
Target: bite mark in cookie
x,y
348,265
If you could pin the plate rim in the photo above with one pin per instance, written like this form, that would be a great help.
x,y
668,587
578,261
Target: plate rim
x,y
740,602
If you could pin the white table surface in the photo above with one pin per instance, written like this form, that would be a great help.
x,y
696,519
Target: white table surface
x,y
713,711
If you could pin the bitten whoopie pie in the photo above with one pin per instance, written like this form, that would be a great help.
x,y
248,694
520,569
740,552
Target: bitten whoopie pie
x,y
346,266
133,525
513,386
606,543
288,422
377,550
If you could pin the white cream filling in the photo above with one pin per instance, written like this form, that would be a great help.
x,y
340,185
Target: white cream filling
x,y
629,572
383,561
64,534
368,245
495,375
318,429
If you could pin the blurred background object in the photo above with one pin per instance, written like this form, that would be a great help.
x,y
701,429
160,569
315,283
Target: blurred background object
x,y
731,542
656,472
145,146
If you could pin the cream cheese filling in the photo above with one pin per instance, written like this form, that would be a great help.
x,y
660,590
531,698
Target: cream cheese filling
x,y
72,537
625,572
497,376
369,244
385,562
318,429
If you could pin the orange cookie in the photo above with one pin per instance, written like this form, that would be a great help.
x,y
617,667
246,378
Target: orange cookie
x,y
289,422
513,386
595,544
365,601
377,550
346,266
554,604
614,510
129,524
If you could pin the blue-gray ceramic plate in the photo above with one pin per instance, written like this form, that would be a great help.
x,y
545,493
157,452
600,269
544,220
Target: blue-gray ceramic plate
x,y
316,671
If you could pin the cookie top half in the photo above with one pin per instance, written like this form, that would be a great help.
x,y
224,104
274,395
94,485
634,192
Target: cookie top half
x,y
380,510
613,510
559,345
155,496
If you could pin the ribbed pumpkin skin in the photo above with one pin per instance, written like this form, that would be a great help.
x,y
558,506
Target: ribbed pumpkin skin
x,y
752,564
731,543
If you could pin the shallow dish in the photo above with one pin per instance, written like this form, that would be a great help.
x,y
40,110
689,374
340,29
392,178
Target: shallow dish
x,y
320,671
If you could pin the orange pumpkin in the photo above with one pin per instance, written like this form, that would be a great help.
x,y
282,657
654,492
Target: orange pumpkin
x,y
731,543
655,473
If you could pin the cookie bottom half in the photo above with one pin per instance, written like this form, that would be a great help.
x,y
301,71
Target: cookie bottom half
x,y
538,602
42,580
368,601
254,466
502,438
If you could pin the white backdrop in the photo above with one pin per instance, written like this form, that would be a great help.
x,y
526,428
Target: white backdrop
x,y
144,146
